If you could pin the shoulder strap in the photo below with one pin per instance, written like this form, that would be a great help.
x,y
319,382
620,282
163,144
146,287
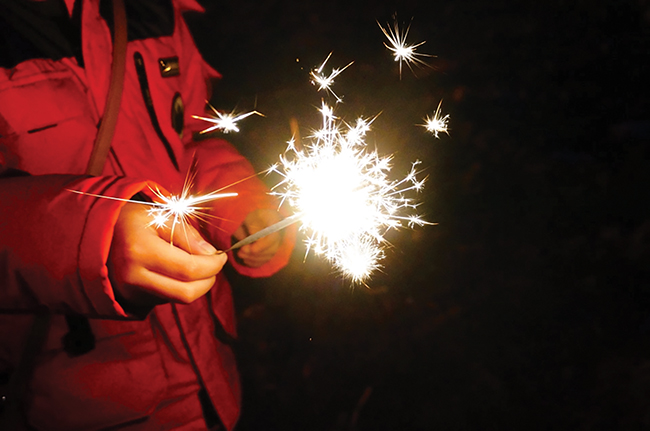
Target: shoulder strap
x,y
112,107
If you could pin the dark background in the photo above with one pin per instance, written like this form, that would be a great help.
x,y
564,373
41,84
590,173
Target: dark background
x,y
528,306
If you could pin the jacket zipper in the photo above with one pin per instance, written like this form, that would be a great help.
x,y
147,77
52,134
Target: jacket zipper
x,y
148,101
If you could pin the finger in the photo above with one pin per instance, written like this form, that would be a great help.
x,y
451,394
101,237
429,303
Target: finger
x,y
176,263
257,261
187,238
261,219
261,251
170,289
268,244
240,233
158,255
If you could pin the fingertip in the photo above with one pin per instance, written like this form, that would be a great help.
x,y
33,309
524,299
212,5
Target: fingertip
x,y
222,257
206,248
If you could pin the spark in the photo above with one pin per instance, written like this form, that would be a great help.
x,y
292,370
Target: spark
x,y
402,52
226,122
325,82
172,211
179,209
341,192
437,123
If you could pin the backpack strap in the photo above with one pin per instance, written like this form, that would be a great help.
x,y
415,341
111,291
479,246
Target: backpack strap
x,y
111,109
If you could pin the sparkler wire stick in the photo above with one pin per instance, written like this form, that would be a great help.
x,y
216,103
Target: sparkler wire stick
x,y
266,231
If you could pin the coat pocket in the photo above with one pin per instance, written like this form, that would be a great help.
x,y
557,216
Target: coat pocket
x,y
47,124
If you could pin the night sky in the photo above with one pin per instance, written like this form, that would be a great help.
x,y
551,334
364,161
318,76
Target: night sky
x,y
528,306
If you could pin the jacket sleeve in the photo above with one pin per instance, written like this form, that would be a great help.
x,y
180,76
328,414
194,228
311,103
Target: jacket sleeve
x,y
54,243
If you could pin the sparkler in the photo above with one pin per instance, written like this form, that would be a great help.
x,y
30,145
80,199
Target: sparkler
x,y
338,188
341,193
437,123
403,52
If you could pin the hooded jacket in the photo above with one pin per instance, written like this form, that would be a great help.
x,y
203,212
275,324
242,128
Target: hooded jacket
x,y
145,371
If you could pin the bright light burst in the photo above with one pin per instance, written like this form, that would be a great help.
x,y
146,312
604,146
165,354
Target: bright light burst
x,y
226,122
402,52
343,195
325,82
174,211
437,123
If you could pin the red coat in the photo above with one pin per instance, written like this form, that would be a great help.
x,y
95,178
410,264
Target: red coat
x,y
54,243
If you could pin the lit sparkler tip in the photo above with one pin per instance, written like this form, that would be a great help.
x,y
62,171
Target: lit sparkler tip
x,y
437,123
343,194
402,52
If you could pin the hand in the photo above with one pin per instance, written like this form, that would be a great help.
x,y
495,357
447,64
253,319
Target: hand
x,y
146,269
262,250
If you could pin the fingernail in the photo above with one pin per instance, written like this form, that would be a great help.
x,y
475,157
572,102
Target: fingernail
x,y
206,247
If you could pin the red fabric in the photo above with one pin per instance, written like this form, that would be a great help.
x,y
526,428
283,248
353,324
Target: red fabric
x,y
54,243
